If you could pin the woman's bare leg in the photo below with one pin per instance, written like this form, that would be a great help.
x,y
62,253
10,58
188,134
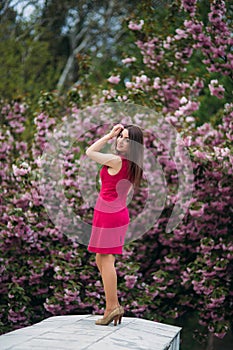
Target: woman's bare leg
x,y
98,262
106,265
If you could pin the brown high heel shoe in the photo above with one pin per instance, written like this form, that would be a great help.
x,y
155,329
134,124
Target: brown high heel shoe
x,y
122,313
115,315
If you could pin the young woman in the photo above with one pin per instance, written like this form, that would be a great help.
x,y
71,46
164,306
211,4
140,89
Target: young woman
x,y
120,172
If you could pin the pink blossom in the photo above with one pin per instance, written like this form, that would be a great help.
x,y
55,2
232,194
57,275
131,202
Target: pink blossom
x,y
143,78
167,42
221,152
200,154
178,55
216,89
109,94
171,295
129,84
57,268
190,119
114,79
166,45
171,119
187,141
134,26
171,261
158,279
183,100
181,34
189,6
193,27
156,84
128,60
187,108
197,213
20,171
130,281
220,335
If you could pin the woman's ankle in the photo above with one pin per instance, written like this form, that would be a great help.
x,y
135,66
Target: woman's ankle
x,y
111,307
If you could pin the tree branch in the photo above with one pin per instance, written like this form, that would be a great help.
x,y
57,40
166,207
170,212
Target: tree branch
x,y
70,63
5,7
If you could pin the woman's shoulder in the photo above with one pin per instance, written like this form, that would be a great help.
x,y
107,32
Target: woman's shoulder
x,y
123,157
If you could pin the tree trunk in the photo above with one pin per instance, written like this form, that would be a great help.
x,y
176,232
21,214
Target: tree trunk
x,y
70,63
210,344
65,73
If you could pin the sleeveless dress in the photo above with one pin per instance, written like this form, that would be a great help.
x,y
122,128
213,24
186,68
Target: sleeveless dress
x,y
111,216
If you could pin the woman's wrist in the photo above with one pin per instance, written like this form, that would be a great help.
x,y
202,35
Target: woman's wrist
x,y
108,137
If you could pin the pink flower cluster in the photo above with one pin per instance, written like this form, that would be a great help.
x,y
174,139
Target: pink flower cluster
x,y
189,6
216,89
213,41
151,51
114,79
136,26
43,124
187,269
15,117
128,60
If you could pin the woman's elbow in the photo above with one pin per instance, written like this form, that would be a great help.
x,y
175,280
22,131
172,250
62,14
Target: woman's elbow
x,y
90,153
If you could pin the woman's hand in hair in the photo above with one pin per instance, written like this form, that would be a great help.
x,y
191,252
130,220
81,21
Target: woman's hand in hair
x,y
116,130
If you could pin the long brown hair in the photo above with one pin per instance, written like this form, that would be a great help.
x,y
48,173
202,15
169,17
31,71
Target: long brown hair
x,y
135,154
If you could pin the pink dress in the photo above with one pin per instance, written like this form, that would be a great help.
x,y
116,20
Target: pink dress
x,y
111,216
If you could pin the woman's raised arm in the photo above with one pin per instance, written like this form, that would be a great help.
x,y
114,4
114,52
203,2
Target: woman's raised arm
x,y
111,160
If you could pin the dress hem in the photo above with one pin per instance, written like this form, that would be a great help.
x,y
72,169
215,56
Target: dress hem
x,y
115,250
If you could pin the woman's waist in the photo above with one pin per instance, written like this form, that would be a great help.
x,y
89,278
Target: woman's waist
x,y
110,205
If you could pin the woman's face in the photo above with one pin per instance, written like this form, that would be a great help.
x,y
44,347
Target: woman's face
x,y
122,144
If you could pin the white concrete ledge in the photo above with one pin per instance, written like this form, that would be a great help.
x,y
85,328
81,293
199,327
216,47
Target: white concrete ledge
x,y
79,332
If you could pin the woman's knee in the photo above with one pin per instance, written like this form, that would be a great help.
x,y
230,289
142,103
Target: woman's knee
x,y
107,258
98,259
